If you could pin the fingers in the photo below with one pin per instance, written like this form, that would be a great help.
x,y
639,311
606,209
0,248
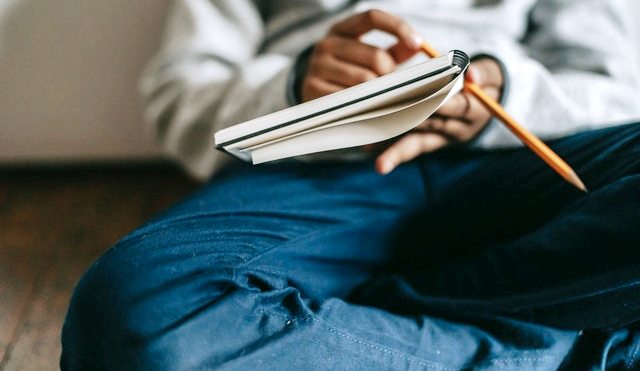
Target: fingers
x,y
431,135
458,106
315,87
407,148
459,120
464,116
400,53
487,75
485,72
355,52
465,106
340,60
455,130
340,73
362,23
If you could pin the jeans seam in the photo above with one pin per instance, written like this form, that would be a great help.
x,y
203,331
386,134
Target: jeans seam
x,y
346,335
435,365
282,316
518,359
356,339
408,357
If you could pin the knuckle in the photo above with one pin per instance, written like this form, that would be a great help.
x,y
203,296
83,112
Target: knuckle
x,y
371,76
363,76
321,61
308,92
423,125
437,124
380,61
413,146
313,83
457,135
403,28
372,15
425,144
432,142
466,135
314,66
323,46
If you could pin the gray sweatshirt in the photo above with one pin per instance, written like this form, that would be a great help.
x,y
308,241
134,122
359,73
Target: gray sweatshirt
x,y
571,64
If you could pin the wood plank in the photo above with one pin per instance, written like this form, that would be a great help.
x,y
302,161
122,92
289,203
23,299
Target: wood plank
x,y
65,221
20,263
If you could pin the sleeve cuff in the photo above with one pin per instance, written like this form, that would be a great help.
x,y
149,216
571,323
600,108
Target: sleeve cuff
x,y
296,76
504,93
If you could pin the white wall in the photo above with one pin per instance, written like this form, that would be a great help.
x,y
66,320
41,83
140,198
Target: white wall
x,y
635,13
68,78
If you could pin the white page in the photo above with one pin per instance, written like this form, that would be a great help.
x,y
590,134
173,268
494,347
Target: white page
x,y
418,89
331,100
361,117
367,131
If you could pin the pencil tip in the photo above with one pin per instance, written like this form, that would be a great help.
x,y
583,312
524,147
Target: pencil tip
x,y
576,181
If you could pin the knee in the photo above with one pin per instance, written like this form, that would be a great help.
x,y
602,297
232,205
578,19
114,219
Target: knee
x,y
139,301
95,332
135,305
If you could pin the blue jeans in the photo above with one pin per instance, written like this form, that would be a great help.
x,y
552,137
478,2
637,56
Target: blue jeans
x,y
460,259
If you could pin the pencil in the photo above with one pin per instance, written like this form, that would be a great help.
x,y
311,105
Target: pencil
x,y
534,143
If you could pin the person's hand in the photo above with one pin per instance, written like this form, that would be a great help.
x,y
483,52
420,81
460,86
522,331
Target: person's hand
x,y
458,121
340,60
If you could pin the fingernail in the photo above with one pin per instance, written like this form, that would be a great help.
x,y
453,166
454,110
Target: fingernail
x,y
381,167
416,40
472,74
387,167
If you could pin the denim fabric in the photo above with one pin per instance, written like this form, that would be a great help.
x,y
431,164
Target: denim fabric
x,y
457,260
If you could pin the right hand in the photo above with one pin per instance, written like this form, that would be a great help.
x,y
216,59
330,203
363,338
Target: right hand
x,y
341,60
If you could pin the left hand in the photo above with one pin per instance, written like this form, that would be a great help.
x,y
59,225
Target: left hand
x,y
458,121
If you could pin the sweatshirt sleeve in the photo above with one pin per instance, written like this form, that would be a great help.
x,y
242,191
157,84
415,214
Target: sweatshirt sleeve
x,y
577,70
209,75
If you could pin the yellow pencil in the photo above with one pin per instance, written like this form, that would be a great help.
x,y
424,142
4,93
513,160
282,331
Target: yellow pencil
x,y
534,143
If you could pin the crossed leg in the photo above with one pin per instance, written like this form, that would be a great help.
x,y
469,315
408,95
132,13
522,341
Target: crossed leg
x,y
256,270
542,252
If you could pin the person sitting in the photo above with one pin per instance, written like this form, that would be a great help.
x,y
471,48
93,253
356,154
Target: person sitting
x,y
450,247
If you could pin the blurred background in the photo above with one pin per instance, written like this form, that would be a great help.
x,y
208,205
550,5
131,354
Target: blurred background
x,y
68,80
77,169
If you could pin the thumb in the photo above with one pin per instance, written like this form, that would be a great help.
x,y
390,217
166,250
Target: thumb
x,y
485,72
473,75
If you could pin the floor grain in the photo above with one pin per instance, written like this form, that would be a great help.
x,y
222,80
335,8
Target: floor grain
x,y
52,225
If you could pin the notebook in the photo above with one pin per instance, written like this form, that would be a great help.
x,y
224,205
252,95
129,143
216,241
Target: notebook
x,y
367,113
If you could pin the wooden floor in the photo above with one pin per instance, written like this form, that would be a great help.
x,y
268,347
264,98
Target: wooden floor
x,y
52,225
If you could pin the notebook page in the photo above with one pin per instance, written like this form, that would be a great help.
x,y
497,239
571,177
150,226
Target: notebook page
x,y
367,131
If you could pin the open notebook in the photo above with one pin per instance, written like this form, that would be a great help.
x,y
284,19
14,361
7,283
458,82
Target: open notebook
x,y
371,112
